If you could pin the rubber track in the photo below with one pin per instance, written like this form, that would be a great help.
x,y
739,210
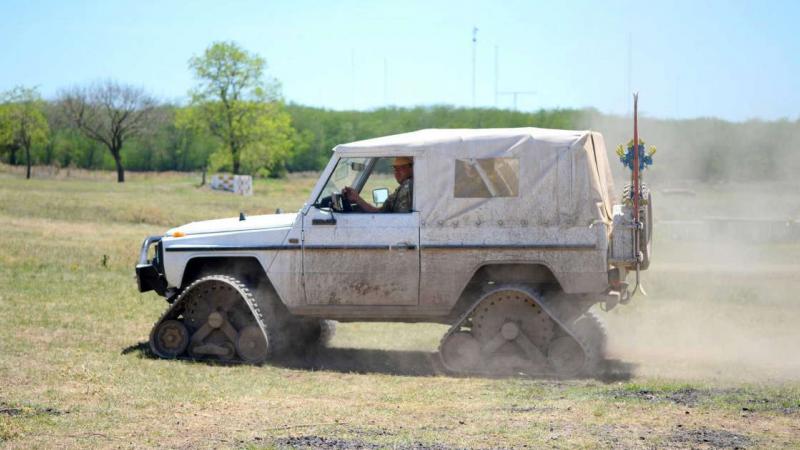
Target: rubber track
x,y
274,341
586,329
590,332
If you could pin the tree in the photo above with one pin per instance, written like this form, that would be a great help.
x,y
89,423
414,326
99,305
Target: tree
x,y
109,113
235,103
22,122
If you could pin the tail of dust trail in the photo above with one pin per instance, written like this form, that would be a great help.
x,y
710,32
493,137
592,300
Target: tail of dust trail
x,y
724,295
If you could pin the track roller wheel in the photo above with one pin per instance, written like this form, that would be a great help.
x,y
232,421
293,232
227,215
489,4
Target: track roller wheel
x,y
251,345
565,355
170,339
460,352
307,334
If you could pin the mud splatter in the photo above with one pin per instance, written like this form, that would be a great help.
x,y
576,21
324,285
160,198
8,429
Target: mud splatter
x,y
320,442
364,289
10,411
711,438
7,409
685,396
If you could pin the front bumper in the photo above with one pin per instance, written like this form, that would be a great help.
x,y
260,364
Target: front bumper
x,y
150,273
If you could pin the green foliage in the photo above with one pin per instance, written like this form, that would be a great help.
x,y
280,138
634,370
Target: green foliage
x,y
234,103
71,148
278,138
22,121
172,144
320,130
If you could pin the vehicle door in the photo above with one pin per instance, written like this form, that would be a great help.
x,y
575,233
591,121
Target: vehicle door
x,y
358,258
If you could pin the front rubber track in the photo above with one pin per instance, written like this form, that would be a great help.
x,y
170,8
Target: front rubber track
x,y
261,308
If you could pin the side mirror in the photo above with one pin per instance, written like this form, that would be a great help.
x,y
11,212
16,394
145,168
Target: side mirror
x,y
379,196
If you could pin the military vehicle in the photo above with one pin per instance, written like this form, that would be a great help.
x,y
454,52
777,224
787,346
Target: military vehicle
x,y
514,234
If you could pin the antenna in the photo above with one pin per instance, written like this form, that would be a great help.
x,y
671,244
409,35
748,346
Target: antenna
x,y
474,52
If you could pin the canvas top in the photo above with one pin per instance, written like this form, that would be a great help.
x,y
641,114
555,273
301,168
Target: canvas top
x,y
517,177
431,139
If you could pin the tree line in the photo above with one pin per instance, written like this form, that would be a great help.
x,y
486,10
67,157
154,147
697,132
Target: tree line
x,y
236,121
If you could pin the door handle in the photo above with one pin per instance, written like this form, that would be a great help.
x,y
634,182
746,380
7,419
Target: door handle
x,y
331,221
402,246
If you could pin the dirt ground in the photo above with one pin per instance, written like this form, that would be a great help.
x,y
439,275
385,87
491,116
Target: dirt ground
x,y
707,360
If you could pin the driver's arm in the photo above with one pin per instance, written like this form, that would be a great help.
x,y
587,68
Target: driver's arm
x,y
352,196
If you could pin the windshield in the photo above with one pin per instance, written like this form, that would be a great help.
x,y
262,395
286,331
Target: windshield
x,y
347,171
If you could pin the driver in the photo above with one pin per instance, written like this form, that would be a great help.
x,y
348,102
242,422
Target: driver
x,y
400,200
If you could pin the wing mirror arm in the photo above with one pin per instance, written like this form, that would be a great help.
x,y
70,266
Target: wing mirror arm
x,y
331,220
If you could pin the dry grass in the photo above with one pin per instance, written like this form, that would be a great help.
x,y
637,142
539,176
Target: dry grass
x,y
74,371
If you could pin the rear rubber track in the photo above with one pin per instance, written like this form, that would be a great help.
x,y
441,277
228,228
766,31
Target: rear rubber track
x,y
586,328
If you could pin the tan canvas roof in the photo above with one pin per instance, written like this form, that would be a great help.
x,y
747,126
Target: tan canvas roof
x,y
433,139
562,177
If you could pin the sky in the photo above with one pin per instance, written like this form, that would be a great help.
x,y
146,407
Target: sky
x,y
737,60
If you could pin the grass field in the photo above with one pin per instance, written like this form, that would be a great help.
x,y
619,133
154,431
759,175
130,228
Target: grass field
x,y
708,360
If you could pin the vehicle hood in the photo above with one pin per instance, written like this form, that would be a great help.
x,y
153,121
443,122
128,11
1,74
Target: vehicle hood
x,y
267,221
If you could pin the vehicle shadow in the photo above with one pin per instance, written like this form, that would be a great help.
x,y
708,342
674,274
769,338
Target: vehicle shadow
x,y
418,363
389,362
360,360
345,360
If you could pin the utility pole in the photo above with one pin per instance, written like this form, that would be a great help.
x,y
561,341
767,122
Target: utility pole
x,y
353,78
496,74
385,83
515,94
474,56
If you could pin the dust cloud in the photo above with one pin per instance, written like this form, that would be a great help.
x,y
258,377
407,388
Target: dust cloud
x,y
723,286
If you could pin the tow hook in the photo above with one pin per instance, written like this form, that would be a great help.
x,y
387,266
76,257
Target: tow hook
x,y
625,294
613,298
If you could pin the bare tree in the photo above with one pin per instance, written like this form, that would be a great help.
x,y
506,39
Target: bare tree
x,y
109,113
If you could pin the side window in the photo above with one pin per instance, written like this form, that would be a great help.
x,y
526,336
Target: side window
x,y
486,178
347,171
374,183
390,186
380,178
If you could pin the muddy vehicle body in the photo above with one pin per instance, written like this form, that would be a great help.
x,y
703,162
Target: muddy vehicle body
x,y
514,234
